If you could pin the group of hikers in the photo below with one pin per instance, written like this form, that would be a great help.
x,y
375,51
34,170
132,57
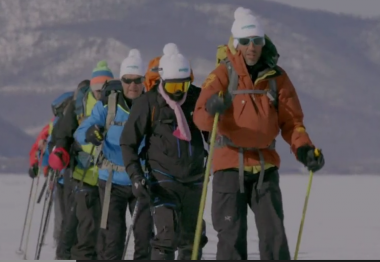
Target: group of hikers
x,y
139,142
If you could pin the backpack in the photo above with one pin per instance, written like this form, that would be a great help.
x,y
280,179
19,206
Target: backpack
x,y
80,99
221,58
221,54
59,104
111,86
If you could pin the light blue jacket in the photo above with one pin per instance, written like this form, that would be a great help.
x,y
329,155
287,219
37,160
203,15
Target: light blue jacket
x,y
111,149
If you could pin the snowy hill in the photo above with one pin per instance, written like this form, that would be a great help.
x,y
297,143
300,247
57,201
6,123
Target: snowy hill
x,y
49,46
14,148
13,140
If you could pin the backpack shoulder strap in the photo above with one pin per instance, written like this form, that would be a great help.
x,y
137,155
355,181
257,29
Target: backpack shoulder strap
x,y
154,108
221,54
273,92
233,77
234,80
66,107
80,102
112,107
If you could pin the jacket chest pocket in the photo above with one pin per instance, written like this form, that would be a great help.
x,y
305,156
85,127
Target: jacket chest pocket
x,y
113,134
239,104
265,106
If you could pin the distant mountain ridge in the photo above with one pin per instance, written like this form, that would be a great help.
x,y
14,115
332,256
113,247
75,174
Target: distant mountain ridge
x,y
14,142
333,60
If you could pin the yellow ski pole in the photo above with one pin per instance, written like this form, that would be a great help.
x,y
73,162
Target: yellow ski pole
x,y
198,231
316,153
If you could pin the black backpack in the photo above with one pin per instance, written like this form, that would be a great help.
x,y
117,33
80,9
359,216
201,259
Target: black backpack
x,y
59,104
111,86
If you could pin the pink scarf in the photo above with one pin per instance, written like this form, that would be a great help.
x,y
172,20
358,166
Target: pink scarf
x,y
182,132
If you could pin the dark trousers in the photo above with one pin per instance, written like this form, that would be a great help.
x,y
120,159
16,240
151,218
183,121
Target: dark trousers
x,y
60,194
113,237
229,215
175,213
87,212
67,237
58,211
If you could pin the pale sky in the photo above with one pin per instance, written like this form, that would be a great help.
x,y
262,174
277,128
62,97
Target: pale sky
x,y
365,8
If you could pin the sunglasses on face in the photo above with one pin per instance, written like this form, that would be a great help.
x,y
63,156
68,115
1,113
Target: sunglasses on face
x,y
130,81
173,86
255,40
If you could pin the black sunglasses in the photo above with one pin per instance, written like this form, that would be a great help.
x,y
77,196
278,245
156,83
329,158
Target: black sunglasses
x,y
254,40
130,81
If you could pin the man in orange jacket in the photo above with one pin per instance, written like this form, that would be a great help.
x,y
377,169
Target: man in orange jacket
x,y
258,102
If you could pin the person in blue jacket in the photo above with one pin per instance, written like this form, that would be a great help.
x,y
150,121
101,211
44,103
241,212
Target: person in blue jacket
x,y
103,129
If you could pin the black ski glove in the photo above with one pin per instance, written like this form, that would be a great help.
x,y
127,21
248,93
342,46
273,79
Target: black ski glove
x,y
94,135
33,171
306,155
139,186
218,104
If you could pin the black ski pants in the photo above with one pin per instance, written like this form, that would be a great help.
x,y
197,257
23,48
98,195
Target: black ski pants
x,y
87,212
59,203
58,211
175,214
67,237
113,237
229,215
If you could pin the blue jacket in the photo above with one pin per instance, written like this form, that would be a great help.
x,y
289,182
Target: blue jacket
x,y
111,145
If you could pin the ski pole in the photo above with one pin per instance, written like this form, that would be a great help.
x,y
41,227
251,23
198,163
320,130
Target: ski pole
x,y
19,251
42,191
46,222
317,154
98,150
134,216
33,205
44,208
198,231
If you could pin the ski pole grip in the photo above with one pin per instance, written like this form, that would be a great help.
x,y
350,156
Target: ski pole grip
x,y
317,152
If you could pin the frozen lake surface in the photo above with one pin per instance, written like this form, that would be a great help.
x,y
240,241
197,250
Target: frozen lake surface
x,y
342,222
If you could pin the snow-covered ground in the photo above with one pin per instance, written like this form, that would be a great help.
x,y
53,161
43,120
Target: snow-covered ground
x,y
342,222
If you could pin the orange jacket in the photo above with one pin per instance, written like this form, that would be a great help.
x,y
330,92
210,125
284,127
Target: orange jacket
x,y
252,122
43,135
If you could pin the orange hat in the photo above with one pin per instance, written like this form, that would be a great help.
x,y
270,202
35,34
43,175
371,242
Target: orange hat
x,y
151,76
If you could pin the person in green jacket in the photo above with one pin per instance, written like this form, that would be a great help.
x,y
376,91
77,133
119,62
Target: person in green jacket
x,y
86,204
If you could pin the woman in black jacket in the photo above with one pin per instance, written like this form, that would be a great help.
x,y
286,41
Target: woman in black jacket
x,y
174,154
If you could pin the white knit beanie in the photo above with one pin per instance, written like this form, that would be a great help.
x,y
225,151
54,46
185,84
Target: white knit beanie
x,y
133,64
173,65
245,25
